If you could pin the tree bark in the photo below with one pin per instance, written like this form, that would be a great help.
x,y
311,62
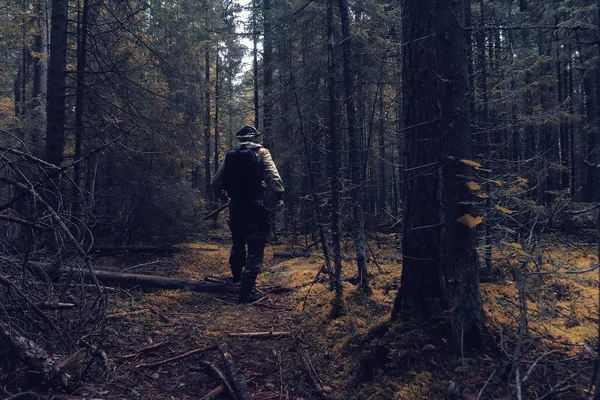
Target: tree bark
x,y
440,266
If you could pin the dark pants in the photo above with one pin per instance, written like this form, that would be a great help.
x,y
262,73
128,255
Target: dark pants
x,y
249,224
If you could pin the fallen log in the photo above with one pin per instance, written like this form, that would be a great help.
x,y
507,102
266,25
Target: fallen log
x,y
16,347
287,254
237,379
144,281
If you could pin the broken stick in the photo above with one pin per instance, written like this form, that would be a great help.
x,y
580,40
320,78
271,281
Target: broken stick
x,y
314,377
143,350
179,357
213,394
260,335
221,375
236,378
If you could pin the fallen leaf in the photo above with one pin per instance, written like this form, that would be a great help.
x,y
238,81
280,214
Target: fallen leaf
x,y
470,220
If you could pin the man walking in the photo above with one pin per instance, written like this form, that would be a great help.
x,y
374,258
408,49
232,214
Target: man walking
x,y
241,181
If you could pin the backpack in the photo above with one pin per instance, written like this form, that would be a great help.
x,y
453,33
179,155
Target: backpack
x,y
242,176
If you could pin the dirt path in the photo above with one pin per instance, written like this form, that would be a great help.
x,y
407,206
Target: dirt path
x,y
183,321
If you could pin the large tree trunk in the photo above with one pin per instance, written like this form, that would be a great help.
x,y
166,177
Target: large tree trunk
x,y
440,266
57,77
357,187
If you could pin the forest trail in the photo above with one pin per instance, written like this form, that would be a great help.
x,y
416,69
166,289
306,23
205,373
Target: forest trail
x,y
182,321
417,363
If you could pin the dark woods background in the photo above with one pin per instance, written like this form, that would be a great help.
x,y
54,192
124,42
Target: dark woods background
x,y
153,90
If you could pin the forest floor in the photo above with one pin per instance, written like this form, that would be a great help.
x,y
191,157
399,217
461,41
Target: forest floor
x,y
358,356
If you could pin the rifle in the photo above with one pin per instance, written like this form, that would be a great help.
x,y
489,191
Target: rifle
x,y
215,212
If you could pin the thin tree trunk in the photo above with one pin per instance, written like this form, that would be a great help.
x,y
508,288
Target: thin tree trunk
x,y
357,191
82,32
338,306
267,73
57,76
217,139
255,62
207,119
40,73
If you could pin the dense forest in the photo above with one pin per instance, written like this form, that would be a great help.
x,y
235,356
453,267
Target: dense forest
x,y
441,163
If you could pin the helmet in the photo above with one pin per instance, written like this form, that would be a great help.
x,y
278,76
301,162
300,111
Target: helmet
x,y
247,132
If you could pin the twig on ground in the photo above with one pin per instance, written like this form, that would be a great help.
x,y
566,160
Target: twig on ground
x,y
314,377
143,350
179,357
260,335
213,394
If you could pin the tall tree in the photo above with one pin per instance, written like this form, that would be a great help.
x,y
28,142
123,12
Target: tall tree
x,y
333,159
440,269
57,77
354,159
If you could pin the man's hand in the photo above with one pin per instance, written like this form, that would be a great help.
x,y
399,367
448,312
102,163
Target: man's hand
x,y
280,205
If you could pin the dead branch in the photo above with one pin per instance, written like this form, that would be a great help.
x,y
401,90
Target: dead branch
x,y
287,254
260,335
233,374
314,377
32,355
179,357
221,375
585,270
213,394
10,218
127,314
101,251
143,350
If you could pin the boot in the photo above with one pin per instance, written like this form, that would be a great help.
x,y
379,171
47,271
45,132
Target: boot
x,y
247,293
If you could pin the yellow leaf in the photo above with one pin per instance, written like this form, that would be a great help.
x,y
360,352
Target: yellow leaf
x,y
472,163
473,186
522,181
498,183
504,210
482,195
470,220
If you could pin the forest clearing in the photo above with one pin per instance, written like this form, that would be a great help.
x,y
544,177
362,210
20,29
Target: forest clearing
x,y
300,199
